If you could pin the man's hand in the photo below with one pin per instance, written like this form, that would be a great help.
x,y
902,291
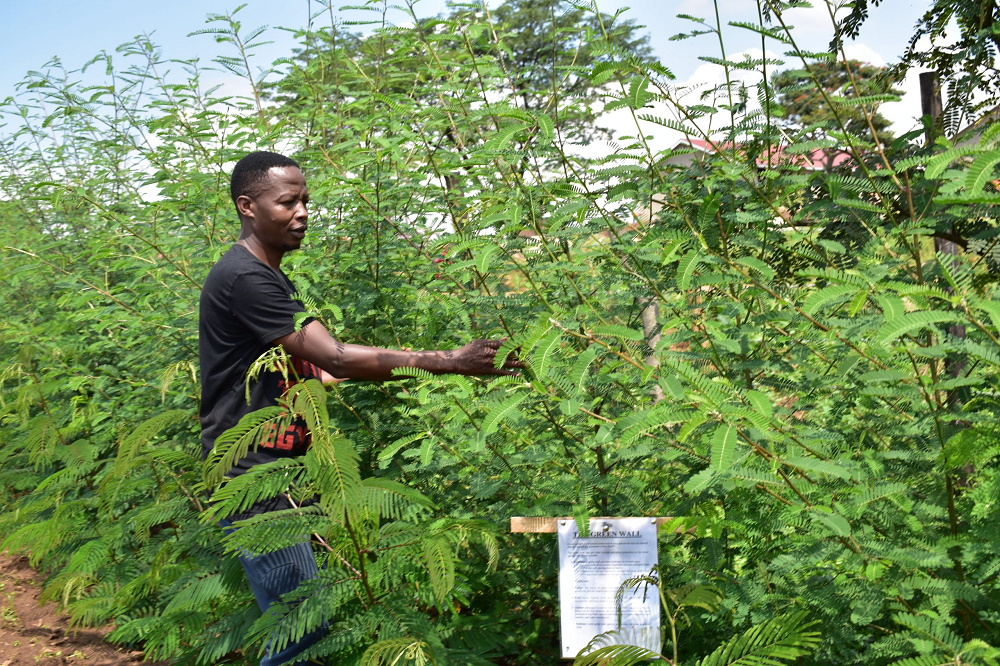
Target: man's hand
x,y
478,358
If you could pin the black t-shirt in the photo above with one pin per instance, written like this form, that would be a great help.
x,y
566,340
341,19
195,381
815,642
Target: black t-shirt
x,y
245,306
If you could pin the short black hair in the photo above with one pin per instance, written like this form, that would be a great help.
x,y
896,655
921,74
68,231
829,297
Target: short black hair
x,y
250,172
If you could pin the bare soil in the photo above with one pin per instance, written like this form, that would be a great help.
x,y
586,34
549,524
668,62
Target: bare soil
x,y
33,635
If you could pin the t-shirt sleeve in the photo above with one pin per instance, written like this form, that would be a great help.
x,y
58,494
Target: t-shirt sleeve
x,y
261,302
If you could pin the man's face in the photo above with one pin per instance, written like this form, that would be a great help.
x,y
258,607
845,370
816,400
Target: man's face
x,y
278,212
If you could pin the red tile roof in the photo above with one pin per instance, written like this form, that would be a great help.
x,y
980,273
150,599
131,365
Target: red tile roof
x,y
814,160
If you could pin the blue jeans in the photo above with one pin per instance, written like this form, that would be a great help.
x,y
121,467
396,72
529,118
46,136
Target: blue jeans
x,y
273,574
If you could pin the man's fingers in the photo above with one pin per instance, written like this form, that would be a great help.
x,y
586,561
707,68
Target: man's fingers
x,y
484,351
494,346
512,361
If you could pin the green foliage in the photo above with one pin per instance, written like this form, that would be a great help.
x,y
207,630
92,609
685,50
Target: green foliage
x,y
761,353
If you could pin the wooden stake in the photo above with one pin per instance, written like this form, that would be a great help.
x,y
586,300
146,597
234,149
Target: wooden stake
x,y
550,525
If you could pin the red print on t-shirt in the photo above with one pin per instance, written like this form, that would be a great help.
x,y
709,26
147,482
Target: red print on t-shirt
x,y
295,437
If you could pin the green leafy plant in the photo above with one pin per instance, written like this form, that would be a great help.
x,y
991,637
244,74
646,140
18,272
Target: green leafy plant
x,y
727,335
780,638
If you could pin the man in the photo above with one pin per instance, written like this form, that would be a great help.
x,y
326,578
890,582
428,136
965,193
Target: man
x,y
248,306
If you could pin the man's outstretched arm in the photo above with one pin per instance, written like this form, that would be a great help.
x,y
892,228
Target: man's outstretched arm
x,y
314,344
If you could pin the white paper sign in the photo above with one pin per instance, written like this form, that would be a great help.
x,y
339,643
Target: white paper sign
x,y
592,569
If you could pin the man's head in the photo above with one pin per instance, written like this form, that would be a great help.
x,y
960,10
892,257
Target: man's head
x,y
270,194
250,173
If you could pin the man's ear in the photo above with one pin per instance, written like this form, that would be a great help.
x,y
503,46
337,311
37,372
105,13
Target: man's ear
x,y
244,206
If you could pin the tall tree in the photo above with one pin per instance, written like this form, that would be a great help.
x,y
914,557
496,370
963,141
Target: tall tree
x,y
551,47
805,95
552,53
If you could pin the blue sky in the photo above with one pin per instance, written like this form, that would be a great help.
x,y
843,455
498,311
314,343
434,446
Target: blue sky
x,y
76,30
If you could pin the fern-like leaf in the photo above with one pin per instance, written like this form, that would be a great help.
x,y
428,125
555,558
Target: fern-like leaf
x,y
439,558
779,639
333,463
981,171
912,321
617,655
501,412
234,443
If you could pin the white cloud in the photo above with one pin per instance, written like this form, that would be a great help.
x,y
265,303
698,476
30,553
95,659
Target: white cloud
x,y
864,53
704,86
815,19
904,115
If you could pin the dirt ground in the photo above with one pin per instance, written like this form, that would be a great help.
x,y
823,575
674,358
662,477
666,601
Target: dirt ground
x,y
33,635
